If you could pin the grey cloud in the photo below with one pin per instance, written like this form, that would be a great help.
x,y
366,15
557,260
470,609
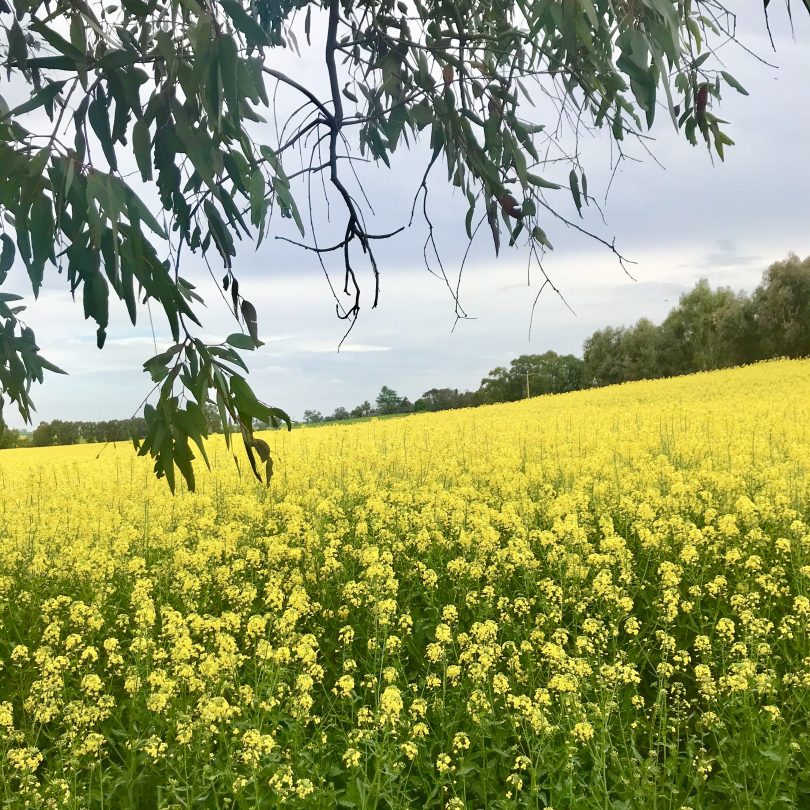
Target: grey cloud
x,y
730,258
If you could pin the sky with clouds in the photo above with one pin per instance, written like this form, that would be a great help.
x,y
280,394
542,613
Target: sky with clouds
x,y
678,217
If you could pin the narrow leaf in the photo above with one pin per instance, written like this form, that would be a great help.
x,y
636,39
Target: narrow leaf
x,y
142,146
245,23
731,81
573,182
251,322
99,117
6,256
241,341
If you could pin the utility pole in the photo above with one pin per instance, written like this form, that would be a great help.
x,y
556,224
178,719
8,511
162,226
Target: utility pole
x,y
528,394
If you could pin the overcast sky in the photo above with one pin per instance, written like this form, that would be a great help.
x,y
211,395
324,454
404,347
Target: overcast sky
x,y
679,221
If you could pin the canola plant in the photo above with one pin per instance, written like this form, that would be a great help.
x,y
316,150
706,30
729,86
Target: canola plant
x,y
594,600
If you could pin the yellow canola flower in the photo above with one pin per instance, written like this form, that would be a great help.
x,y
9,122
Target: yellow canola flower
x,y
351,758
583,732
444,764
344,686
24,760
410,591
6,716
391,704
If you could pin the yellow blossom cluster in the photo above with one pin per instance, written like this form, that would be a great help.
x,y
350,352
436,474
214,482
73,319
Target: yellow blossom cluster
x,y
594,600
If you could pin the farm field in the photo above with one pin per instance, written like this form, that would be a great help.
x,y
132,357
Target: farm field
x,y
594,600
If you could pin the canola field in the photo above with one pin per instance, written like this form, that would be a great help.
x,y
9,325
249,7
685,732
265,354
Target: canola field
x,y
596,600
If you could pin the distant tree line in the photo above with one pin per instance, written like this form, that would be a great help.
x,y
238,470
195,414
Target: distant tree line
x,y
529,375
708,329
60,432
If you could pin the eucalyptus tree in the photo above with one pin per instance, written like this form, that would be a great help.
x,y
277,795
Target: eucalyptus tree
x,y
779,309
136,132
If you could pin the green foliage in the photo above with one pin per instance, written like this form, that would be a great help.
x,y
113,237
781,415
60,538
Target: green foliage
x,y
361,411
212,418
442,399
532,375
20,360
603,356
180,86
44,435
709,329
389,401
8,436
312,417
59,432
781,305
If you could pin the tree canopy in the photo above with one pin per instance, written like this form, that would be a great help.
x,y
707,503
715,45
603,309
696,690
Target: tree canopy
x,y
136,132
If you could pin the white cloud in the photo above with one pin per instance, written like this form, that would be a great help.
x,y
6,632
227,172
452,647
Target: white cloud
x,y
324,347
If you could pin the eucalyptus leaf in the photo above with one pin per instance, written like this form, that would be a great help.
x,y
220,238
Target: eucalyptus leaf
x,y
573,182
241,341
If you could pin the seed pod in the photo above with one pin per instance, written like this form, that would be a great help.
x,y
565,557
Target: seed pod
x,y
511,206
701,100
